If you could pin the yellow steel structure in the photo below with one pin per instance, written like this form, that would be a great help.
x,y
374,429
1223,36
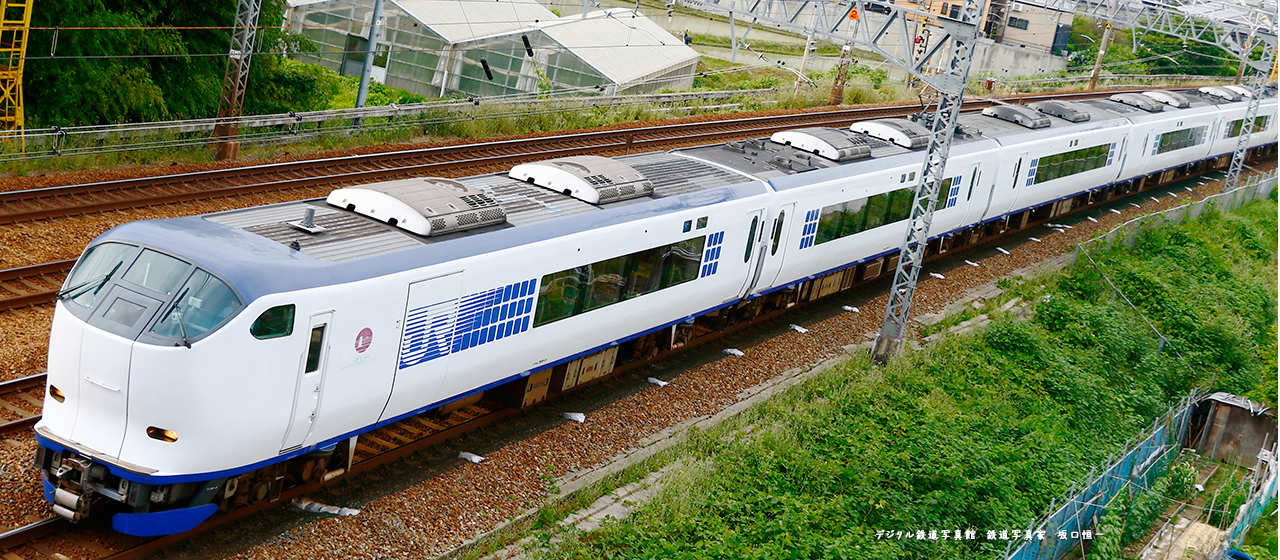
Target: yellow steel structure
x,y
15,24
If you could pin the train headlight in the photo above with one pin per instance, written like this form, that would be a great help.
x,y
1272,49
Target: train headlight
x,y
162,434
57,394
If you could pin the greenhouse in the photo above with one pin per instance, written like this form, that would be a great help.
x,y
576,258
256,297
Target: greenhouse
x,y
435,47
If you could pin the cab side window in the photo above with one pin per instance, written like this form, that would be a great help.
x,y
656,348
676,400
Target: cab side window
x,y
273,323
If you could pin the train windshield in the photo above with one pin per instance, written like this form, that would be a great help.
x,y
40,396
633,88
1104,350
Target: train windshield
x,y
203,303
97,268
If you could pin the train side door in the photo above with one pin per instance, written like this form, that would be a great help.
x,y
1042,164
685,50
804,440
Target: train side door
x,y
306,400
427,340
997,203
775,246
755,234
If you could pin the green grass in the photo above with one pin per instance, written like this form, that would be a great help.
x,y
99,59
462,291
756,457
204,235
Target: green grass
x,y
978,431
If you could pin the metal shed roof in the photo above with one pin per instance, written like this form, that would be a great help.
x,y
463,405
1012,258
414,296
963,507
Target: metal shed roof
x,y
464,20
619,43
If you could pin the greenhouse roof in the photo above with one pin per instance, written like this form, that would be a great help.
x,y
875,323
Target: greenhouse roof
x,y
619,43
463,20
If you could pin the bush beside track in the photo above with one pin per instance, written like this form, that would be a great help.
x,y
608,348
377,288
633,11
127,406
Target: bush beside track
x,y
977,431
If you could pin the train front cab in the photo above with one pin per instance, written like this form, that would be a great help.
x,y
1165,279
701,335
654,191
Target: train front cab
x,y
119,299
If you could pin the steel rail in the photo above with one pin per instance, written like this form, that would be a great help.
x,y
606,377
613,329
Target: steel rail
x,y
52,202
14,281
54,526
15,386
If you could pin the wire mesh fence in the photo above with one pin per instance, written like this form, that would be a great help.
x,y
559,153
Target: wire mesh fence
x,y
1261,497
44,143
1140,462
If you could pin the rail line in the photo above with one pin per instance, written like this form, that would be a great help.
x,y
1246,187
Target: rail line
x,y
48,538
20,402
32,285
72,200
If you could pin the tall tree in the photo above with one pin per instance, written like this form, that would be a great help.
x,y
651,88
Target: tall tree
x,y
149,60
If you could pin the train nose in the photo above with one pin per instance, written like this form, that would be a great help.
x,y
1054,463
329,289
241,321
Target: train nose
x,y
103,389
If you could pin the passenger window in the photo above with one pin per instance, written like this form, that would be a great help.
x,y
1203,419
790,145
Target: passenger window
x,y
943,193
751,238
876,208
605,281
646,272
855,213
156,271
829,224
900,204
680,262
777,232
202,304
558,296
584,288
314,348
273,323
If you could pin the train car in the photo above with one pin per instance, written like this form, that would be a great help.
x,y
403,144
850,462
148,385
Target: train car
x,y
209,362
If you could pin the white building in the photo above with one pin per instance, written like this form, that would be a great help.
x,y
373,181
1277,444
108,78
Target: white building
x,y
433,47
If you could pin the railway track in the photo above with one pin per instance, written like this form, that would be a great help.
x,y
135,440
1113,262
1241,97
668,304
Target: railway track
x,y
32,285
55,539
72,200
20,402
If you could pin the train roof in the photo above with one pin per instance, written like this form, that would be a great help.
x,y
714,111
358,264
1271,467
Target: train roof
x,y
251,247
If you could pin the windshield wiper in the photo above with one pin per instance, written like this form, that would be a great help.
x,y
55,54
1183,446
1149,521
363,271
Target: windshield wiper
x,y
182,328
174,309
102,281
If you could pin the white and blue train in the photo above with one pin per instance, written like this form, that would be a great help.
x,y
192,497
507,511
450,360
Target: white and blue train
x,y
210,361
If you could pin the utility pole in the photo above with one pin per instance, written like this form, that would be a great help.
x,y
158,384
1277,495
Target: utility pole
x,y
950,85
236,79
804,60
1102,51
842,76
369,55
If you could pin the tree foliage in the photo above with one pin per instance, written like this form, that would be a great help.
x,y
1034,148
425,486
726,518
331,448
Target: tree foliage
x,y
155,60
1166,54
